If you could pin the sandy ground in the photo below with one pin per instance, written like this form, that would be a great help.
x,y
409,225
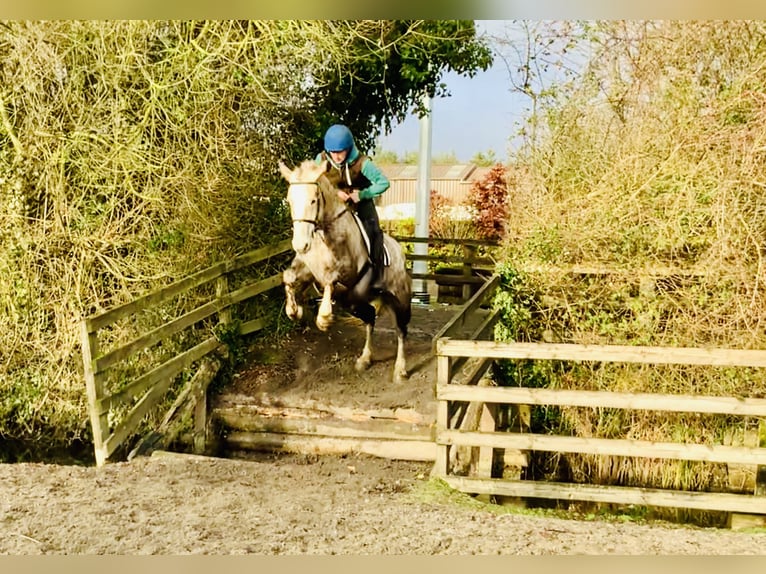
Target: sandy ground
x,y
307,504
297,505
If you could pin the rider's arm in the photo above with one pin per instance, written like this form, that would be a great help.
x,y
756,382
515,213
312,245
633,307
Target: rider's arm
x,y
378,181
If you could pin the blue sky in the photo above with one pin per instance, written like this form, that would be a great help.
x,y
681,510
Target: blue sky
x,y
481,114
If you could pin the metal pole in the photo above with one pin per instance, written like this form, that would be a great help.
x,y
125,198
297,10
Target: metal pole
x,y
423,201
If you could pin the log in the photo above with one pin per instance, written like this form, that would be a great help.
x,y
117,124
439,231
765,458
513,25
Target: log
x,y
248,420
295,406
416,450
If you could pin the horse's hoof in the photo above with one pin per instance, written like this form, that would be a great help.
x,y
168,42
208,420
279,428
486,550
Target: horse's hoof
x,y
400,378
362,364
296,315
323,324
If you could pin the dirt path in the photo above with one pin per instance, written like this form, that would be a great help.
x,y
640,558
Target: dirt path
x,y
303,504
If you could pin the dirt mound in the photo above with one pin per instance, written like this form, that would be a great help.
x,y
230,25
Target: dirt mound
x,y
319,366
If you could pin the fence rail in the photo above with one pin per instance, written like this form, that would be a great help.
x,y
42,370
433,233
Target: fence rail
x,y
451,397
151,387
470,270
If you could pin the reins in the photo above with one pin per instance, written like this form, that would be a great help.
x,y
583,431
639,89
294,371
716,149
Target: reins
x,y
320,204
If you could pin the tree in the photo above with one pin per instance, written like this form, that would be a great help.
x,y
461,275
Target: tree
x,y
385,156
483,159
134,152
489,197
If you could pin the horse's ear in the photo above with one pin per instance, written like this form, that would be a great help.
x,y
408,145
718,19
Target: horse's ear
x,y
285,171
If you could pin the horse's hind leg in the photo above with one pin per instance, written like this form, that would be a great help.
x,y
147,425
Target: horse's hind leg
x,y
366,313
364,360
402,317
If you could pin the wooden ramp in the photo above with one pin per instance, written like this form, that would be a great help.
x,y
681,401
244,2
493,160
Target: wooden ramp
x,y
314,402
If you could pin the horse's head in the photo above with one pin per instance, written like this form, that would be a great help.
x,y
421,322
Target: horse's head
x,y
306,200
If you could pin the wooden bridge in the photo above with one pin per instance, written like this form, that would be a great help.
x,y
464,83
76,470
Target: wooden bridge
x,y
472,423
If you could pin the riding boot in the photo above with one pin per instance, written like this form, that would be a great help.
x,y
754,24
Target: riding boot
x,y
376,255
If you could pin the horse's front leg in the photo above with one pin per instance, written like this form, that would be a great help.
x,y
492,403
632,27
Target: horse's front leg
x,y
295,280
324,316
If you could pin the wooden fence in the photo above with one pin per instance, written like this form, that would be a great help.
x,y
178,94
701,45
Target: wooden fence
x,y
470,269
141,395
138,397
456,396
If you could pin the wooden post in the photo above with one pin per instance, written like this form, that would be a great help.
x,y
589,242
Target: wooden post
x,y
205,375
221,289
738,521
94,388
469,251
200,423
760,473
441,464
487,423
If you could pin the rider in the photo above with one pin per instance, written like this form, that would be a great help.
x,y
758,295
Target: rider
x,y
358,180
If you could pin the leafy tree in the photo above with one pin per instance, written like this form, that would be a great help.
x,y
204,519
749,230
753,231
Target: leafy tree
x,y
484,159
489,197
385,156
134,152
448,158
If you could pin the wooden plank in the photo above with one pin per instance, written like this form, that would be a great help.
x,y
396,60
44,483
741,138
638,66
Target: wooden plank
x,y
155,336
486,262
221,290
600,446
487,423
247,421
170,425
741,521
100,320
459,318
605,399
611,494
606,353
448,279
168,369
472,372
469,251
279,405
131,421
448,241
184,456
303,444
248,291
202,312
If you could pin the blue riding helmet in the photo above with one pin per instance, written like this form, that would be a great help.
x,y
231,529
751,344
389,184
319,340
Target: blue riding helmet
x,y
338,138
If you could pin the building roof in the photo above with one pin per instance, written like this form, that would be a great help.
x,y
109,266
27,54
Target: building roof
x,y
468,172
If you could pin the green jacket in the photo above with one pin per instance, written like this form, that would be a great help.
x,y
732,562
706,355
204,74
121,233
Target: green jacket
x,y
357,172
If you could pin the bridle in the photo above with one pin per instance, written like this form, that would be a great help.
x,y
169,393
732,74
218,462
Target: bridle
x,y
320,207
324,227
